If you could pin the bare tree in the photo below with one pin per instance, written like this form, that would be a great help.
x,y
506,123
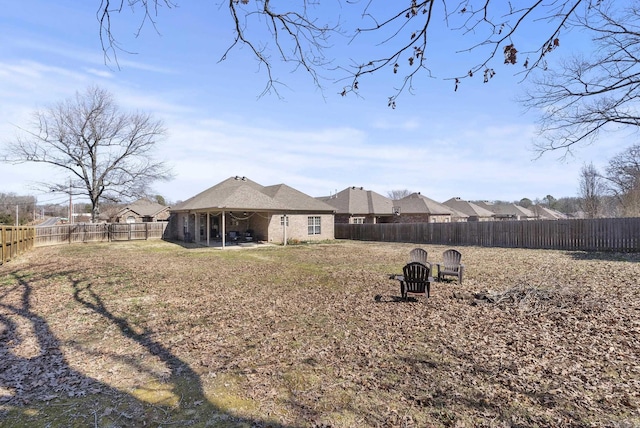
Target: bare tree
x,y
592,190
623,175
106,153
595,91
12,204
398,194
403,32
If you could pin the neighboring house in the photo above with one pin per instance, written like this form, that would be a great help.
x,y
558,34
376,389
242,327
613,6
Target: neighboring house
x,y
508,211
354,205
238,209
417,208
458,216
544,213
142,211
471,210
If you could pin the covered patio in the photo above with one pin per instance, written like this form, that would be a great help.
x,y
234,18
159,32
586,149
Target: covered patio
x,y
238,211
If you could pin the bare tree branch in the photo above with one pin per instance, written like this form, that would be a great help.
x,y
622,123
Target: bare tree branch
x,y
592,93
299,33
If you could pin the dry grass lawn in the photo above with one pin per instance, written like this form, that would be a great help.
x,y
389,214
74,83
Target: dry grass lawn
x,y
156,334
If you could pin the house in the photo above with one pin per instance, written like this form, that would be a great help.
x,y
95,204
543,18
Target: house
x,y
471,210
544,213
238,209
458,216
354,205
142,211
416,208
508,211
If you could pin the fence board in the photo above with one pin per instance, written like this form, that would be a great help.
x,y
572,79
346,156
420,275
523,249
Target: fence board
x,y
608,234
101,232
15,241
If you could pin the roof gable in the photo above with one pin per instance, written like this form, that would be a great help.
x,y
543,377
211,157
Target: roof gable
x,y
144,208
416,203
356,200
294,199
508,209
240,193
468,208
548,213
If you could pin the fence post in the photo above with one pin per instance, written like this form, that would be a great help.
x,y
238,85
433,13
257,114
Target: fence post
x,y
3,236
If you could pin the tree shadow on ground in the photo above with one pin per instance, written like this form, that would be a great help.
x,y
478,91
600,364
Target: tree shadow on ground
x,y
605,256
39,387
444,396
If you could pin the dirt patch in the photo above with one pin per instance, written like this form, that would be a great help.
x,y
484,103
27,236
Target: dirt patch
x,y
150,334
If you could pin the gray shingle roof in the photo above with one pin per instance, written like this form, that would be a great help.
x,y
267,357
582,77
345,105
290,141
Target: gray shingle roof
x,y
240,193
468,208
295,200
416,203
508,209
144,208
547,213
357,201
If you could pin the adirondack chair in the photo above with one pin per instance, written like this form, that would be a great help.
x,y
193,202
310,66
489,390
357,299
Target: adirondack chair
x,y
416,279
451,265
418,255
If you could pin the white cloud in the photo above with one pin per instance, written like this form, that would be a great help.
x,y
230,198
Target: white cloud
x,y
316,147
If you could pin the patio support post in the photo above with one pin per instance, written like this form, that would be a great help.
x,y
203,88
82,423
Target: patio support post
x,y
224,230
196,222
284,227
208,227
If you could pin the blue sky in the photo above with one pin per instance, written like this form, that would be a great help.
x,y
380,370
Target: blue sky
x,y
475,143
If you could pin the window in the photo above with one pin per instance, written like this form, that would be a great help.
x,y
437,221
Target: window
x,y
357,220
314,225
284,218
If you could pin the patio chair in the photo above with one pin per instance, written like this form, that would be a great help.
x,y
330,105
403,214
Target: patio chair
x,y
416,279
418,255
233,237
451,265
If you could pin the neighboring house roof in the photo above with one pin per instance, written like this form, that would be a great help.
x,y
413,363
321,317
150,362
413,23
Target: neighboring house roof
x,y
468,208
240,193
511,210
357,201
547,213
416,203
458,214
144,208
294,199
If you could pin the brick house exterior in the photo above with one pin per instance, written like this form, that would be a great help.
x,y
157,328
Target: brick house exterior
x,y
240,210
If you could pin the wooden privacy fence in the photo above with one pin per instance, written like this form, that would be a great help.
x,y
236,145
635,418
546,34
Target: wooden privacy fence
x,y
606,234
15,241
87,232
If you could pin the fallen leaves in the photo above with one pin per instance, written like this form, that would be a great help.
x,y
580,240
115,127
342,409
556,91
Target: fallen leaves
x,y
317,336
